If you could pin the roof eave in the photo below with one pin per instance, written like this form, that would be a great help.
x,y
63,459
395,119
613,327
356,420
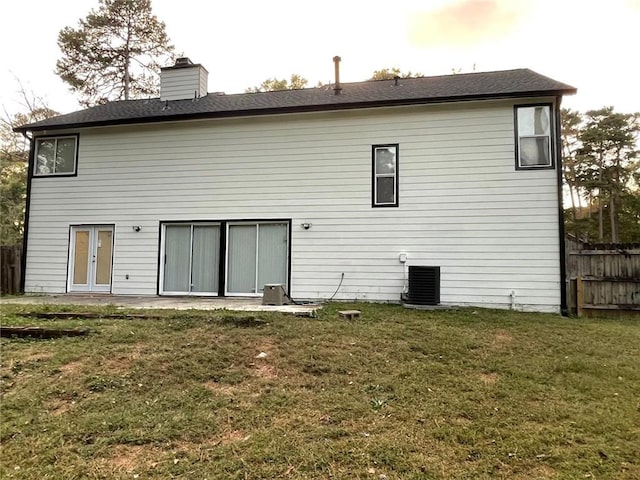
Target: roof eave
x,y
294,109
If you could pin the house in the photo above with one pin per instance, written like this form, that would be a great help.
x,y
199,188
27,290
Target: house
x,y
334,191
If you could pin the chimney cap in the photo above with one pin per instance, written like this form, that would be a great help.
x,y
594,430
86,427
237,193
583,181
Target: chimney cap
x,y
181,61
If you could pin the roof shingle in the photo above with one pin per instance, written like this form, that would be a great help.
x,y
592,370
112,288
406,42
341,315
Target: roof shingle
x,y
422,90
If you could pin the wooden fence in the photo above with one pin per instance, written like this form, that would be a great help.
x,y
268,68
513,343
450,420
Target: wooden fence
x,y
10,267
604,279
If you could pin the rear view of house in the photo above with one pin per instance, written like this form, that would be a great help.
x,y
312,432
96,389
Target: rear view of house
x,y
331,191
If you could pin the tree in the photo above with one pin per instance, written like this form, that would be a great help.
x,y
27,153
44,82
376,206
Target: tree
x,y
115,53
602,163
608,160
296,82
14,155
391,73
571,122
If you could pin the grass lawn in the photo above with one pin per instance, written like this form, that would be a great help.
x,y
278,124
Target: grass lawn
x,y
395,394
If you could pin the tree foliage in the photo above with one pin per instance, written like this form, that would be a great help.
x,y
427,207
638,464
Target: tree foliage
x,y
602,169
391,73
296,82
115,53
14,155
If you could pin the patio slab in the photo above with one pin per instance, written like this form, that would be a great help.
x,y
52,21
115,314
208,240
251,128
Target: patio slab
x,y
245,304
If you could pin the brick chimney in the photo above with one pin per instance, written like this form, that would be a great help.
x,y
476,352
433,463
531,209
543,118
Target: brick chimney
x,y
184,80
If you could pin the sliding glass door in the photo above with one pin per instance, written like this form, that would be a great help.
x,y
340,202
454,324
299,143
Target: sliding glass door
x,y
257,255
191,259
253,254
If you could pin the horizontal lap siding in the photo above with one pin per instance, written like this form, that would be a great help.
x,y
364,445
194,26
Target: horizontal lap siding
x,y
183,83
463,206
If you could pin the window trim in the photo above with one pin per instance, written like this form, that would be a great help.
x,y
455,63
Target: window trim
x,y
551,136
37,139
374,176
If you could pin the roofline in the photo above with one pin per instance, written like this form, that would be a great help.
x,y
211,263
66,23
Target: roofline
x,y
296,109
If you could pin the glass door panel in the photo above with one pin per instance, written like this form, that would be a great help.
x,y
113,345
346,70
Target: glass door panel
x,y
177,258
81,258
103,257
257,254
272,254
206,259
191,259
242,259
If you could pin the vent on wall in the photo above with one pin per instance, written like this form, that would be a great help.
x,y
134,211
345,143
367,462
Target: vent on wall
x,y
424,285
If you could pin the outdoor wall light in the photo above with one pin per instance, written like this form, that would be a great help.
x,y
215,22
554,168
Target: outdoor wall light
x,y
137,228
306,226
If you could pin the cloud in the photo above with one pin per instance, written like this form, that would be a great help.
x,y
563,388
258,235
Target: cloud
x,y
466,22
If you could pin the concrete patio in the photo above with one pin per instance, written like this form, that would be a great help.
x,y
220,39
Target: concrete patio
x,y
245,304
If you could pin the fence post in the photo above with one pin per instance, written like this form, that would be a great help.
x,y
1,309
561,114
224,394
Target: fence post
x,y
579,296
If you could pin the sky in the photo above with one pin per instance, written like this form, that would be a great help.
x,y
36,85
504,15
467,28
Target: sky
x,y
593,45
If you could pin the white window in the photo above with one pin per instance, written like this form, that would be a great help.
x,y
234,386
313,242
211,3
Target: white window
x,y
385,175
534,139
56,156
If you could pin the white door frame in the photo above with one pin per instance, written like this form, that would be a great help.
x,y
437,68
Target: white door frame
x,y
91,284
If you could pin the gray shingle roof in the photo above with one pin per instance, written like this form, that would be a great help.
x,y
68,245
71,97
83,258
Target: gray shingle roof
x,y
448,88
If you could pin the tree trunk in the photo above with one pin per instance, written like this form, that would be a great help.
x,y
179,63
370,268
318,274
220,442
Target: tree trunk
x,y
573,202
613,215
127,62
600,199
126,81
600,218
617,188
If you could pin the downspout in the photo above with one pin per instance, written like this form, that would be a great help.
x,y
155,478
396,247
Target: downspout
x,y
564,310
25,233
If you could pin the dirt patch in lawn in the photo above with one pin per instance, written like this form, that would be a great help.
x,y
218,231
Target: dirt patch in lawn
x,y
33,356
263,370
28,356
123,360
58,406
71,368
502,338
231,436
489,378
224,388
130,458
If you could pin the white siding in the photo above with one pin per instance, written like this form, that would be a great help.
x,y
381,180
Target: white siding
x,y
183,83
463,205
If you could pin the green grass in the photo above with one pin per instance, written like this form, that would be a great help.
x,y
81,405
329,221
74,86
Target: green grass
x,y
406,394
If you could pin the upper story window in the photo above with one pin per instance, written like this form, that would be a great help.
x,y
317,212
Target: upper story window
x,y
385,175
56,155
534,138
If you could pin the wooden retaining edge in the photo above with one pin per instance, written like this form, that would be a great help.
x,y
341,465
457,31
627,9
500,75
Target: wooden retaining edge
x,y
69,315
40,332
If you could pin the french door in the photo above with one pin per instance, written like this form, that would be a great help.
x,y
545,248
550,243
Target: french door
x,y
257,255
90,259
191,259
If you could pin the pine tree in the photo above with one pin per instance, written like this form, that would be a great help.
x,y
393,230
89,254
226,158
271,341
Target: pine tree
x,y
115,53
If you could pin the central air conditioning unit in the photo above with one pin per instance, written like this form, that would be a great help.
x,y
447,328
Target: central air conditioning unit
x,y
424,285
273,294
